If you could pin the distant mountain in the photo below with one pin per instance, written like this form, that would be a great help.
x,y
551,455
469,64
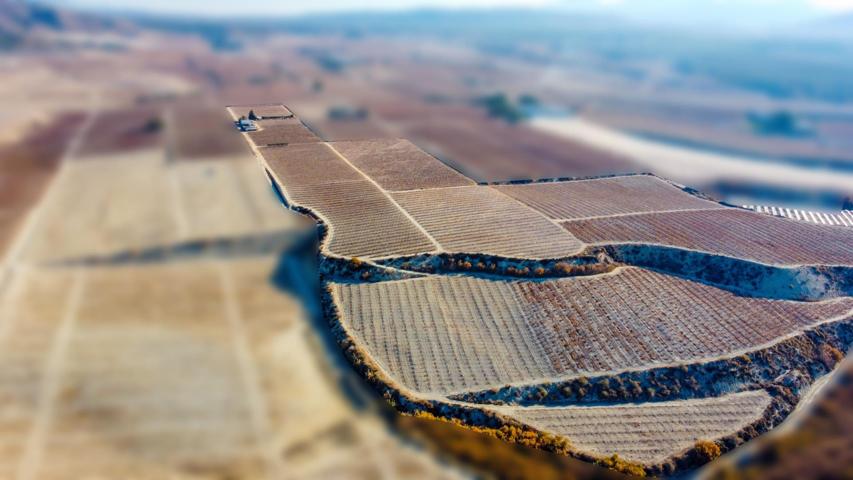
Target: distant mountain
x,y
21,20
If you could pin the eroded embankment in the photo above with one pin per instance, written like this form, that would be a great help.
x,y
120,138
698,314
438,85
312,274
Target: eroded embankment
x,y
740,276
743,277
784,372
793,364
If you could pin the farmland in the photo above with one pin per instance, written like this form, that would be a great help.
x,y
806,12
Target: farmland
x,y
124,130
279,132
135,346
605,197
518,310
730,232
652,432
399,165
479,219
202,132
270,111
495,154
314,177
105,205
176,367
364,223
112,397
29,164
533,331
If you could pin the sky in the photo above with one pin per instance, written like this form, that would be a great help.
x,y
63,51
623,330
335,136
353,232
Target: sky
x,y
685,11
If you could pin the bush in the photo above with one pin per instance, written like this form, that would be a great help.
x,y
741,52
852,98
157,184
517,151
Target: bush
x,y
830,356
707,450
614,462
563,268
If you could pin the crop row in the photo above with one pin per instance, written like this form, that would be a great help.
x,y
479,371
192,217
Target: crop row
x,y
605,196
648,433
397,164
639,317
282,132
728,232
362,219
482,220
453,334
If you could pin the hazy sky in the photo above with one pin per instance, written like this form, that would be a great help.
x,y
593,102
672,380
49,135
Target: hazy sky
x,y
739,11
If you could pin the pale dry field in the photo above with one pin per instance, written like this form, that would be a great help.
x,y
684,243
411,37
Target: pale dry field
x,y
363,220
647,433
479,219
735,233
398,164
603,197
128,202
442,335
192,370
32,93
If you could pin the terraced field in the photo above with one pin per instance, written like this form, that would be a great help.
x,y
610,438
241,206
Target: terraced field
x,y
400,165
544,330
604,197
730,232
451,334
364,221
648,433
482,220
309,165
